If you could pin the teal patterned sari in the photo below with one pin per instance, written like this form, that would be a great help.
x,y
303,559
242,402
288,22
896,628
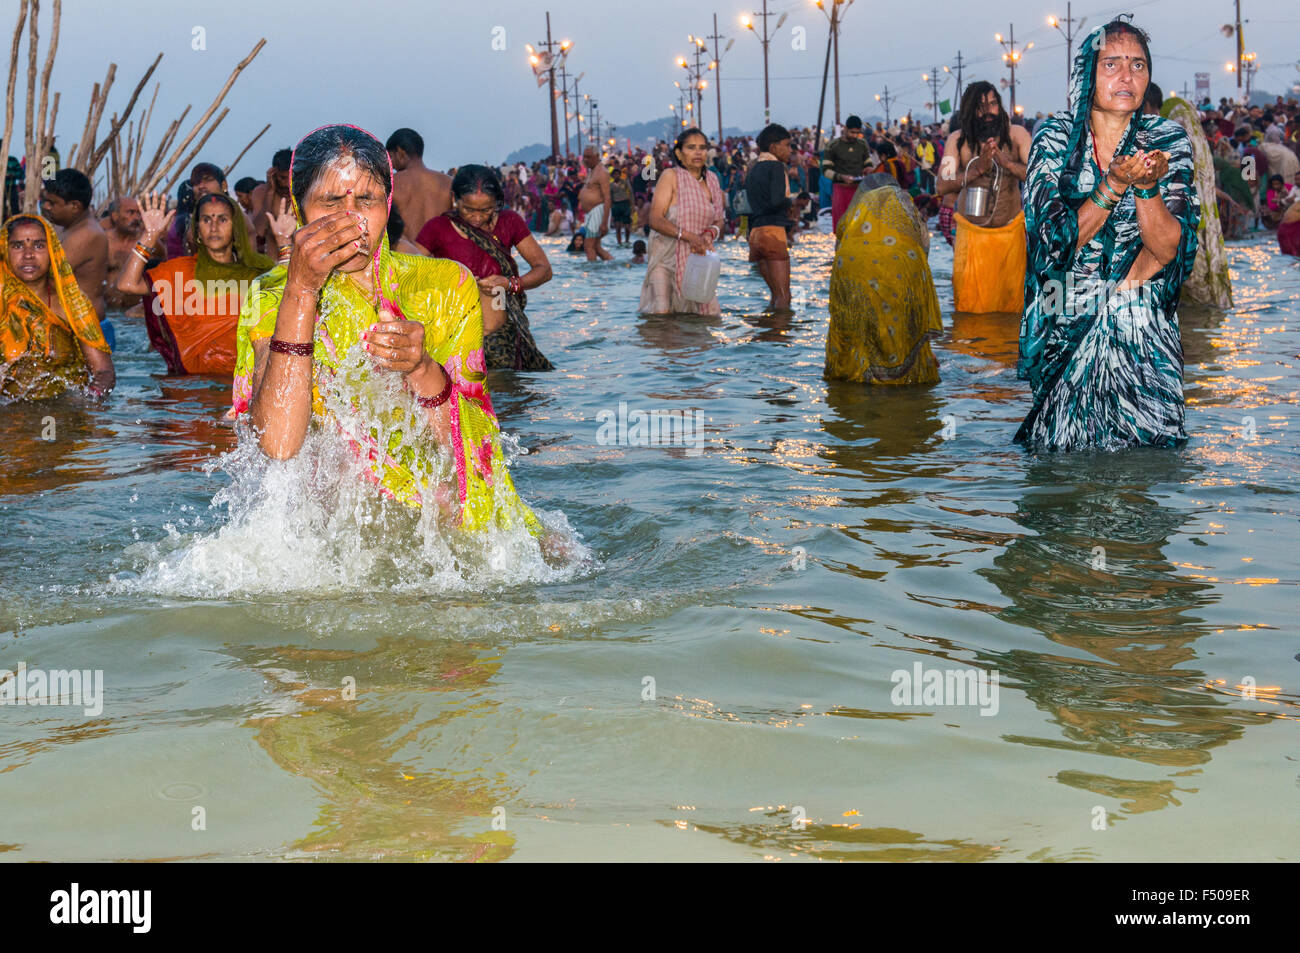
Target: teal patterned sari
x,y
1105,365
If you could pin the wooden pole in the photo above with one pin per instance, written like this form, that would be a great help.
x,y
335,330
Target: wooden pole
x,y
88,145
180,169
74,158
114,167
239,68
5,211
246,148
43,134
31,198
139,142
163,146
98,155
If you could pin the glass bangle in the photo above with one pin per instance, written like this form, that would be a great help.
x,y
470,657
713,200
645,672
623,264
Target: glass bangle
x,y
1146,193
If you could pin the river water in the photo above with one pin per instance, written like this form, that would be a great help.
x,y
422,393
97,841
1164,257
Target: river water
x,y
720,672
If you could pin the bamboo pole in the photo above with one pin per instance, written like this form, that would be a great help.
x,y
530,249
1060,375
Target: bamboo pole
x,y
49,129
239,68
114,166
74,158
88,145
139,142
98,155
163,146
44,135
30,197
180,169
246,148
9,101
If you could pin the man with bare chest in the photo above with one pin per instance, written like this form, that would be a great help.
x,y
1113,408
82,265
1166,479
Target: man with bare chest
x,y
65,201
125,226
419,193
594,199
987,156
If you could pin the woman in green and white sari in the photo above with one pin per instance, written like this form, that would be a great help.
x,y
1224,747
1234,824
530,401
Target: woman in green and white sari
x,y
1112,216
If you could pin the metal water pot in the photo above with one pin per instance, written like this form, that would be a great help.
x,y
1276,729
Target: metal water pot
x,y
977,201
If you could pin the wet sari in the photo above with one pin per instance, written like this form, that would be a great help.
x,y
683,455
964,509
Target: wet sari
x,y
42,354
884,310
1209,282
1105,365
367,407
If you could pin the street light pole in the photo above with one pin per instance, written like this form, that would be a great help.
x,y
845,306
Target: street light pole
x,y
1241,48
564,96
1068,33
717,70
886,100
1011,58
765,39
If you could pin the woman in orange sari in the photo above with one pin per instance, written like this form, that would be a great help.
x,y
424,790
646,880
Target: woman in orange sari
x,y
192,302
49,331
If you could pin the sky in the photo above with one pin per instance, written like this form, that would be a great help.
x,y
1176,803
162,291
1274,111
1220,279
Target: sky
x,y
458,73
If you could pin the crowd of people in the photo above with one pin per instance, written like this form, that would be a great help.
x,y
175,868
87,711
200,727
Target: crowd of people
x,y
352,259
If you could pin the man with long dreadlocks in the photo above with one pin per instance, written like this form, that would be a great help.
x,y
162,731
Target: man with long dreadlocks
x,y
987,152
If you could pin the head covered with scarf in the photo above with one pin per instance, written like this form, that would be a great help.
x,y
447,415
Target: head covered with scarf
x,y
1062,175
248,263
25,317
389,438
1105,362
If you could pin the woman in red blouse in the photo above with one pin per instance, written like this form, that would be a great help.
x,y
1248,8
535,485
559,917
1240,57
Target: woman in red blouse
x,y
480,233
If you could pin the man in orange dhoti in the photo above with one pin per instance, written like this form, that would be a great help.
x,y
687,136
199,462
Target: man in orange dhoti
x,y
988,271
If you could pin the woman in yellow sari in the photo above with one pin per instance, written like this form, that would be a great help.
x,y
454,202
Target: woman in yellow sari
x,y
884,309
385,350
49,331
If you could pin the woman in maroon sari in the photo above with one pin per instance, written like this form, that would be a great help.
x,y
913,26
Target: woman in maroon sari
x,y
480,232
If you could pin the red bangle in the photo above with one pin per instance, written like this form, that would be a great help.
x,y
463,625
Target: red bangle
x,y
306,349
432,402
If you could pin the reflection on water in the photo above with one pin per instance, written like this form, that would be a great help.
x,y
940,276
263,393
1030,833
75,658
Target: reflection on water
x,y
329,679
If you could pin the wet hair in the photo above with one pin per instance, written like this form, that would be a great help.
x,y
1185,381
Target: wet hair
x,y
638,247
1154,97
969,119
471,179
682,139
396,225
329,143
246,184
280,161
71,185
408,140
1121,27
206,170
771,135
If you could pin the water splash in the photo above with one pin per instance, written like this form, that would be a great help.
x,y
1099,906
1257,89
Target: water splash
x,y
314,523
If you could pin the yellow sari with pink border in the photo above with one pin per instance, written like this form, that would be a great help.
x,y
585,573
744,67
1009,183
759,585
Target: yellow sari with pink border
x,y
389,435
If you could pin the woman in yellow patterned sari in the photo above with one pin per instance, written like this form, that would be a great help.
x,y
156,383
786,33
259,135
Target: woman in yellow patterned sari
x,y
383,349
49,332
883,306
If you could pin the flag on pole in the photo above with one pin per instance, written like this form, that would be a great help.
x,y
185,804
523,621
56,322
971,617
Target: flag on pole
x,y
945,107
